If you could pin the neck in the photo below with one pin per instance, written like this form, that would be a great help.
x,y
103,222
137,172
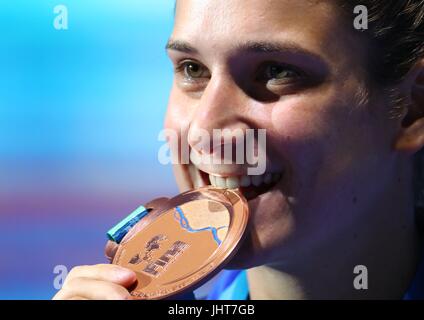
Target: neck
x,y
387,244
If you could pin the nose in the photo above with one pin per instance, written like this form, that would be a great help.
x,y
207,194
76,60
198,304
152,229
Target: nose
x,y
221,111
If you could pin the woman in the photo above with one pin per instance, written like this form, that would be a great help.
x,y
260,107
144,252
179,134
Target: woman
x,y
343,112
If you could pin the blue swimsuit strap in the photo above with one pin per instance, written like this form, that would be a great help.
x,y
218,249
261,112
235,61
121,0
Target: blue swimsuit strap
x,y
231,285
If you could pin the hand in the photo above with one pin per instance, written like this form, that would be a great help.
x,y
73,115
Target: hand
x,y
97,282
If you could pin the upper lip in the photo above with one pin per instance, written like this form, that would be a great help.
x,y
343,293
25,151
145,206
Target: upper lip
x,y
221,170
227,170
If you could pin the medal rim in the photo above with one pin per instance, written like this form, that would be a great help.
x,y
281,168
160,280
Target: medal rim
x,y
225,251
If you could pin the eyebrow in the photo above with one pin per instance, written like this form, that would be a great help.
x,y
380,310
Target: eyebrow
x,y
271,47
248,46
181,46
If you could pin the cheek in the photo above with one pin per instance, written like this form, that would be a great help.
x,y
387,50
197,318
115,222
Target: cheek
x,y
327,145
298,121
320,141
299,136
178,112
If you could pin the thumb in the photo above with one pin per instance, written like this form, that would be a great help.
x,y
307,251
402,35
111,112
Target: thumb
x,y
110,250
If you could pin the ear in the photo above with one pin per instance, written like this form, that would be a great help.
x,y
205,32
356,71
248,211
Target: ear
x,y
411,137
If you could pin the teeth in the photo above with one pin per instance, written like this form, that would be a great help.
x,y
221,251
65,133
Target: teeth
x,y
212,180
232,183
243,181
220,182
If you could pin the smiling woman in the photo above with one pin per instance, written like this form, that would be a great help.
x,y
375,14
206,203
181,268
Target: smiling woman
x,y
326,94
287,66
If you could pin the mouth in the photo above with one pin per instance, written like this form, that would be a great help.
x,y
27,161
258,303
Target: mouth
x,y
250,186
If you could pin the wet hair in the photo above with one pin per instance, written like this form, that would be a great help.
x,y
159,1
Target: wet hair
x,y
396,31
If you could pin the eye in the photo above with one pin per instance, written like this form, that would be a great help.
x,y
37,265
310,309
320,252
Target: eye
x,y
276,73
192,70
279,72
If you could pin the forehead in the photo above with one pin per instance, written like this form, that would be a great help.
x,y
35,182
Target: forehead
x,y
213,20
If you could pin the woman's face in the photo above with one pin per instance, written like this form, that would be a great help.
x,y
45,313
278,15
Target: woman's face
x,y
296,69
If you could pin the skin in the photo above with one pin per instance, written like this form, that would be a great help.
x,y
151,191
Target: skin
x,y
345,198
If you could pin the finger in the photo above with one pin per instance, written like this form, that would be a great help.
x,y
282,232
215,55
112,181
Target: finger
x,y
78,298
93,290
104,272
63,295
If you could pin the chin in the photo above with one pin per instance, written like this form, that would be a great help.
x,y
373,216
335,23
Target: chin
x,y
269,233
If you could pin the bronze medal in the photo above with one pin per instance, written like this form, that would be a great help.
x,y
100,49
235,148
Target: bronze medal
x,y
183,241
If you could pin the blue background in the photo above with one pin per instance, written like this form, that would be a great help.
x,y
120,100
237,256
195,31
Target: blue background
x,y
80,112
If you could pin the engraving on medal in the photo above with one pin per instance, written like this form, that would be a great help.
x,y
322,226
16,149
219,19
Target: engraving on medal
x,y
183,242
158,266
195,220
152,245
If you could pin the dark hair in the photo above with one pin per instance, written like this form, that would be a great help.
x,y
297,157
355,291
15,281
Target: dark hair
x,y
396,33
